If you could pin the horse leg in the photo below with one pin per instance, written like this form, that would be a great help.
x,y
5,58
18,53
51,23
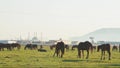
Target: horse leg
x,y
62,53
101,54
83,53
57,52
109,55
104,55
25,48
18,47
54,53
116,49
87,54
2,49
79,53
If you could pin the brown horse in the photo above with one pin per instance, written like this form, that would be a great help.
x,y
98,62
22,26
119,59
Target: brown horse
x,y
59,47
114,48
16,45
104,47
84,46
74,46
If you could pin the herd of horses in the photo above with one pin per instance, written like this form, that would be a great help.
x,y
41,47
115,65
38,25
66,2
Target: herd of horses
x,y
60,48
9,46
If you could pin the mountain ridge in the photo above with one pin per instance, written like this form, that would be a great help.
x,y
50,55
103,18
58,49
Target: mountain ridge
x,y
103,34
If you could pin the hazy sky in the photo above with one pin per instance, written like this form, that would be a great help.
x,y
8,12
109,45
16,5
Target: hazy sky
x,y
56,18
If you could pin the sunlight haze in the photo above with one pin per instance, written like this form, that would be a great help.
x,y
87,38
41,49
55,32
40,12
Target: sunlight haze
x,y
56,18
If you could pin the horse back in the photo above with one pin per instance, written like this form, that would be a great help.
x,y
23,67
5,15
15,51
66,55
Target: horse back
x,y
105,47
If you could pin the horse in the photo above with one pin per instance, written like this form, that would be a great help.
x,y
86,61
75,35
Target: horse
x,y
42,50
1,47
41,46
34,46
59,47
119,47
74,46
52,46
104,47
8,46
114,48
84,46
30,46
94,48
67,47
13,45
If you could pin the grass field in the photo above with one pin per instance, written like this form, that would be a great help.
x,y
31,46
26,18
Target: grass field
x,y
33,58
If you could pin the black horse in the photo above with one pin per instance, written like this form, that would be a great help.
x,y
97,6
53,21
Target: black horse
x,y
74,46
52,46
114,48
16,45
42,50
104,47
30,46
67,47
59,47
84,46
7,46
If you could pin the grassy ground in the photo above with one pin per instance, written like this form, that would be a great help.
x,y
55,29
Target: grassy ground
x,y
33,58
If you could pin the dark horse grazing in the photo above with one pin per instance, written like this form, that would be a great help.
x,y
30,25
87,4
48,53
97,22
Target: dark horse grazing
x,y
114,48
13,45
30,46
74,46
8,46
59,47
67,47
52,46
104,47
84,46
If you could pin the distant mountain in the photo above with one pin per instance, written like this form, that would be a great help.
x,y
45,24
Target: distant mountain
x,y
104,34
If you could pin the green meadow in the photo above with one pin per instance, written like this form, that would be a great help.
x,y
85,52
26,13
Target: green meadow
x,y
34,59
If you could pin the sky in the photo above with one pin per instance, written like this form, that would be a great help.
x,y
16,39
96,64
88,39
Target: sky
x,y
54,19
